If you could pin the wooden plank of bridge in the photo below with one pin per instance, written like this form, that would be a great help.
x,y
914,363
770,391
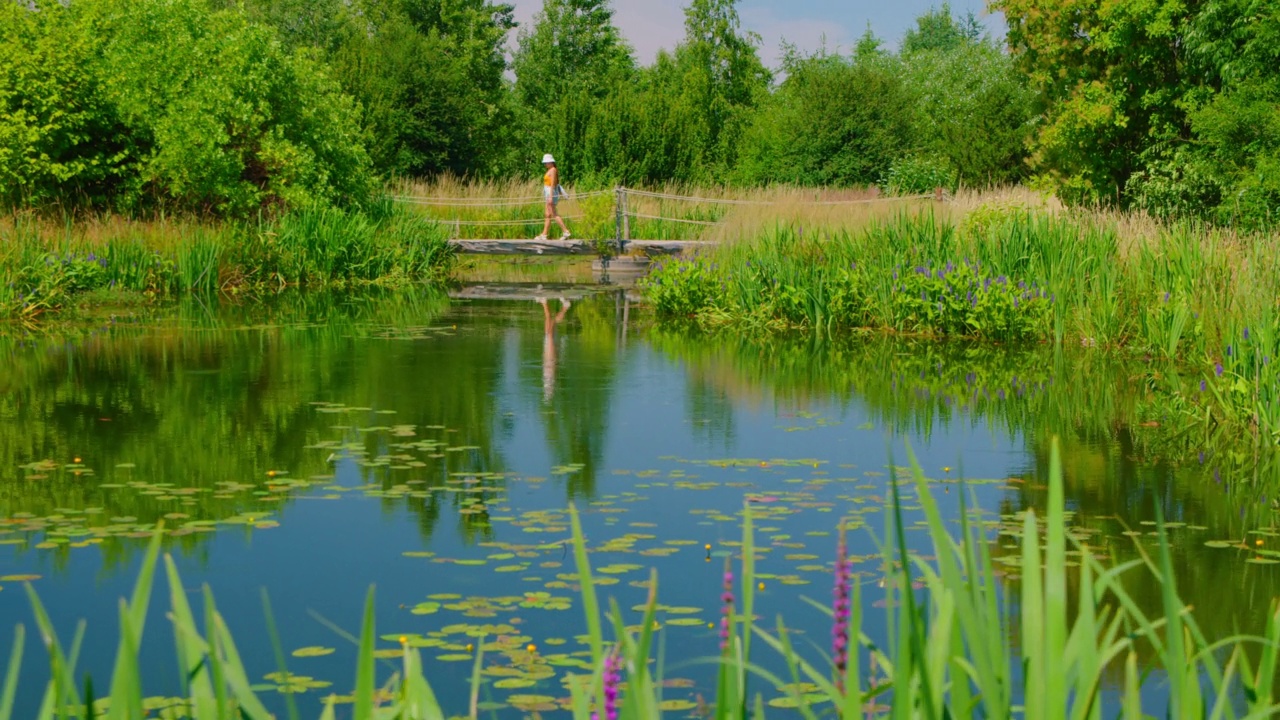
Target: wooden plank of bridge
x,y
569,247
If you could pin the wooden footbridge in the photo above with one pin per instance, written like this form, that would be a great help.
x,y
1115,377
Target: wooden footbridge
x,y
664,214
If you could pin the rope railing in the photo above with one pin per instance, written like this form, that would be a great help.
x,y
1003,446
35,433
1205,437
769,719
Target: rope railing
x,y
675,220
732,201
492,202
487,223
622,210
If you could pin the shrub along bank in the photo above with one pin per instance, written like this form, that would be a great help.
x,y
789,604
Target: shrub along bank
x,y
1203,298
44,265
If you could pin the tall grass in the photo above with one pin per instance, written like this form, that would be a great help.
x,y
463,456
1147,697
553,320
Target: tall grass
x,y
46,262
954,648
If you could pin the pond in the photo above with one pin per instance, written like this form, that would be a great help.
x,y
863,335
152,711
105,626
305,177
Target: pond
x,y
312,446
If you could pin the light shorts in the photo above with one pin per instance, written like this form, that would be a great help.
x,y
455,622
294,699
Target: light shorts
x,y
551,195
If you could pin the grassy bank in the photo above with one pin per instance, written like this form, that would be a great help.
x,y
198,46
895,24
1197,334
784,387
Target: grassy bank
x,y
45,262
1054,634
1007,272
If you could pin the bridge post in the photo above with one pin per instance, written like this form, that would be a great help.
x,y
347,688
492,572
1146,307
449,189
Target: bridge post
x,y
617,216
626,218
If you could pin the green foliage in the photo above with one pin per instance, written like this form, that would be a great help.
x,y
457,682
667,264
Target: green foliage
x,y
834,121
1164,105
174,105
59,135
971,107
428,76
318,246
964,300
937,30
914,175
570,58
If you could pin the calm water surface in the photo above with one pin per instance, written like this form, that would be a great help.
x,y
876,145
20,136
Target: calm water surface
x,y
316,446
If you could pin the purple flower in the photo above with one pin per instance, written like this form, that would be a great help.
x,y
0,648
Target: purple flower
x,y
1228,351
1202,386
1166,296
1217,367
841,611
611,680
1246,333
726,612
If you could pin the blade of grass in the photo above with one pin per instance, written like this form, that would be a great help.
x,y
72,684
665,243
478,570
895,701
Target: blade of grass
x,y
10,690
281,665
365,679
590,604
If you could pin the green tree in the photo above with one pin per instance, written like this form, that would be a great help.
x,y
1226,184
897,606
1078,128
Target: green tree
x,y
833,121
937,29
973,110
720,74
134,104
570,58
1110,78
59,137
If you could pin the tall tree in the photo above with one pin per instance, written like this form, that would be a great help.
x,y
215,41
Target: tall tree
x,y
572,55
1111,78
429,77
572,44
720,73
938,29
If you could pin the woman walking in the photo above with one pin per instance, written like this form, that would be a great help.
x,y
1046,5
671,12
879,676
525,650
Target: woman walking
x,y
551,192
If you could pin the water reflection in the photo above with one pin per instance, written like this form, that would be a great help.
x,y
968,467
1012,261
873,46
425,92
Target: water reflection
x,y
469,423
549,345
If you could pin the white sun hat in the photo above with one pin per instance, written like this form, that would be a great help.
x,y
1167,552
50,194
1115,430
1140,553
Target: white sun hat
x,y
547,159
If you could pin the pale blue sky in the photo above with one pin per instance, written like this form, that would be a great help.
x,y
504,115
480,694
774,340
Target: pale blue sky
x,y
653,24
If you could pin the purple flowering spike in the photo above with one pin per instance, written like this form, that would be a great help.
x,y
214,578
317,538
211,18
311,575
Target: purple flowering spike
x,y
841,611
1217,368
727,611
611,680
1246,333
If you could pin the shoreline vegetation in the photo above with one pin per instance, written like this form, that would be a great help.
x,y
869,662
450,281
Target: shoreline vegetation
x,y
1079,646
46,264
1201,300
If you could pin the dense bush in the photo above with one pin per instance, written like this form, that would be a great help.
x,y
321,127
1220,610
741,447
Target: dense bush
x,y
171,105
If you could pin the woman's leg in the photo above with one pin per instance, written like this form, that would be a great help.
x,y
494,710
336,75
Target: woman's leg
x,y
548,212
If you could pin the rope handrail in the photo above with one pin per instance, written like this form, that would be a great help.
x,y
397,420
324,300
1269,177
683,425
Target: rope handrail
x,y
667,219
731,201
492,202
489,223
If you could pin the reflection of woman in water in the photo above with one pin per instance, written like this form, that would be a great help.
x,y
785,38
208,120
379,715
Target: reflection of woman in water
x,y
549,345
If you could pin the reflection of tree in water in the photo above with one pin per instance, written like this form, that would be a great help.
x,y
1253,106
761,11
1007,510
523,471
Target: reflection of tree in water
x,y
1121,455
576,418
1115,490
198,408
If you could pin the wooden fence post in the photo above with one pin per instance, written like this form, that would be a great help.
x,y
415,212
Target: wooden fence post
x,y
617,216
626,217
937,194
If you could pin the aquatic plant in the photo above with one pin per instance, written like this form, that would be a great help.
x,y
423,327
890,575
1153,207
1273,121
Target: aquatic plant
x,y
949,650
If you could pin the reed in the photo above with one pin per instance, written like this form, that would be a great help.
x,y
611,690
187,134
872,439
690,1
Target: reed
x,y
46,262
955,646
